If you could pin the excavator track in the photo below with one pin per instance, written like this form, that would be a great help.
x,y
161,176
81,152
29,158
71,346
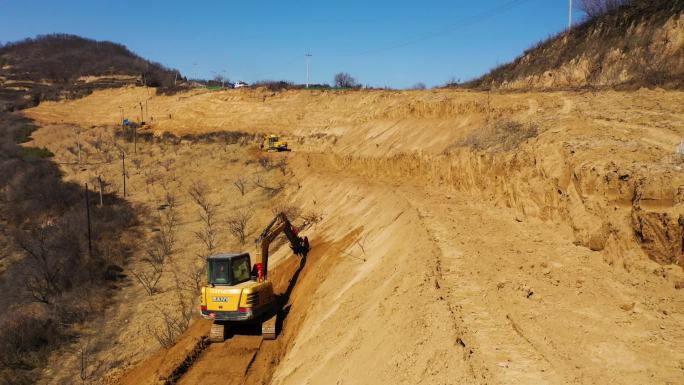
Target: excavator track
x,y
217,333
268,328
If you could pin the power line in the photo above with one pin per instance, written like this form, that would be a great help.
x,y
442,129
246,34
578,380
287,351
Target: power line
x,y
464,22
447,29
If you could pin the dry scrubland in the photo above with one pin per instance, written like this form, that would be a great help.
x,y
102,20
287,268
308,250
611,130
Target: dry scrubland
x,y
465,237
640,44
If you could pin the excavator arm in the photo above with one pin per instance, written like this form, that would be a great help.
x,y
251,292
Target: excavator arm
x,y
279,224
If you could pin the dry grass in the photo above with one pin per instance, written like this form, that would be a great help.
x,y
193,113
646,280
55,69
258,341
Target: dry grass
x,y
503,135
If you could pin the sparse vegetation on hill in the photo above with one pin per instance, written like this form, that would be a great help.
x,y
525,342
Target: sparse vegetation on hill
x,y
55,66
55,280
637,43
62,58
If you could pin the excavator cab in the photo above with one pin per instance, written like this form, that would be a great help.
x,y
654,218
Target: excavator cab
x,y
228,269
272,143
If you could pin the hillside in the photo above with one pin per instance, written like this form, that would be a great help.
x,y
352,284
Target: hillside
x,y
46,261
638,45
464,237
57,66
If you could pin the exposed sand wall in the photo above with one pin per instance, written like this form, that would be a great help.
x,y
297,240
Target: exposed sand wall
x,y
602,163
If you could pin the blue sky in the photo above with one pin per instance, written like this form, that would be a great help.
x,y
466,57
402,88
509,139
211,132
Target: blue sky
x,y
381,43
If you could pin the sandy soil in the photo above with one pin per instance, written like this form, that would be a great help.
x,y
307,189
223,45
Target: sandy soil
x,y
555,259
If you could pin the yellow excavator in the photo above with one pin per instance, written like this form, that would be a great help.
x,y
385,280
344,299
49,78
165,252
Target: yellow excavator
x,y
239,292
272,143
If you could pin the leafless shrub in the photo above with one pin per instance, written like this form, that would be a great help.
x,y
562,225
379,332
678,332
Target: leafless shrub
x,y
240,184
208,233
282,165
149,277
150,178
160,249
193,279
291,211
265,162
44,246
173,325
237,224
168,328
270,190
166,164
311,218
137,162
20,334
418,86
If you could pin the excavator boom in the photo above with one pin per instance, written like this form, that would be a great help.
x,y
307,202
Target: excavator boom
x,y
279,224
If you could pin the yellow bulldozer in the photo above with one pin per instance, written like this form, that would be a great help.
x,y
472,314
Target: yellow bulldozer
x,y
238,292
272,143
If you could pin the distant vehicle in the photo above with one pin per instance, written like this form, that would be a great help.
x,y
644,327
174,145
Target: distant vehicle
x,y
240,85
272,143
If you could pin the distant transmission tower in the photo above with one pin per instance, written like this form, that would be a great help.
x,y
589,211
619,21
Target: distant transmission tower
x,y
570,15
308,56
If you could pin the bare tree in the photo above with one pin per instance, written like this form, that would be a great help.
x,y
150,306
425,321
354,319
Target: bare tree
x,y
149,277
344,80
172,325
239,183
595,8
208,233
418,86
43,281
237,224
265,162
270,190
160,248
220,79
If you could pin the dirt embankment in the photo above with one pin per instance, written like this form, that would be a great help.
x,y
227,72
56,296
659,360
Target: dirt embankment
x,y
472,232
604,164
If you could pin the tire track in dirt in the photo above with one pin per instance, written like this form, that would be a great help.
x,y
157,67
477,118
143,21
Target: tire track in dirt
x,y
476,370
460,291
224,363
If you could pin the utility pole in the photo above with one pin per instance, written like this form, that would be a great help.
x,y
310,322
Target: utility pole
x,y
99,179
570,15
308,58
90,244
78,144
123,170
